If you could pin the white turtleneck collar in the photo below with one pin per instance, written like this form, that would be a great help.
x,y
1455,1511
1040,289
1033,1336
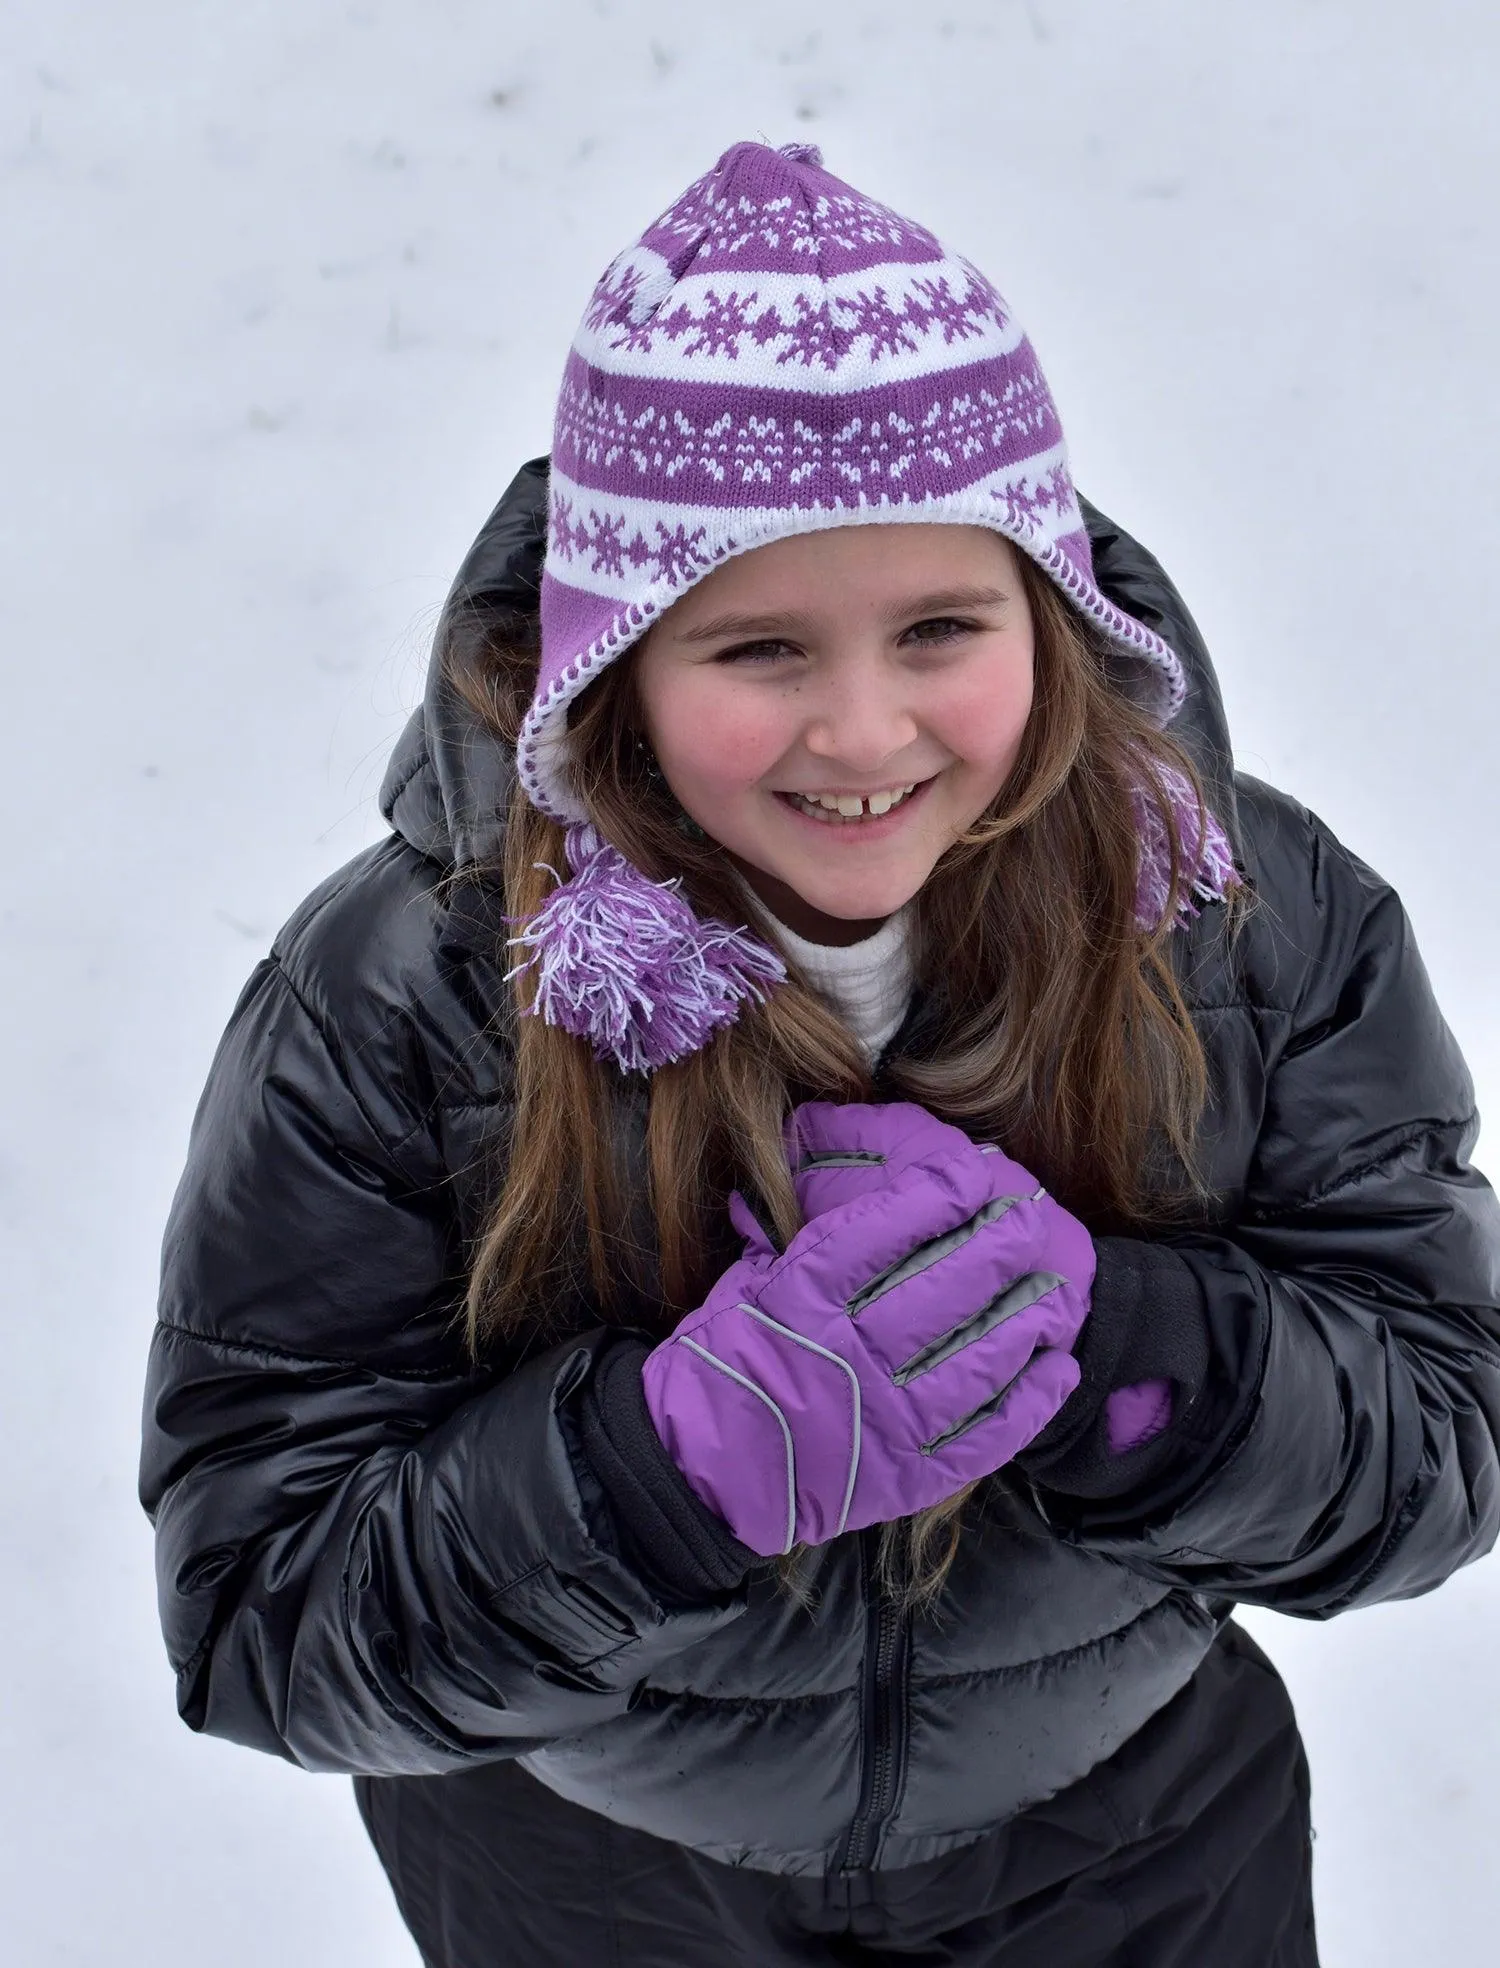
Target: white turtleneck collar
x,y
868,984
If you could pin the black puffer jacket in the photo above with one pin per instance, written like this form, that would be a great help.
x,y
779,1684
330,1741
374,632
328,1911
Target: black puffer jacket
x,y
374,1559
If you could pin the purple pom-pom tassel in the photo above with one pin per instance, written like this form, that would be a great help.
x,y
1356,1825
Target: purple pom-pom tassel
x,y
624,963
1207,864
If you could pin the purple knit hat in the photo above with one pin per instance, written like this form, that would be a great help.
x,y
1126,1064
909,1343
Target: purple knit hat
x,y
776,355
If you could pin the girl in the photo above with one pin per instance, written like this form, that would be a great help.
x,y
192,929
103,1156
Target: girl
x,y
753,1285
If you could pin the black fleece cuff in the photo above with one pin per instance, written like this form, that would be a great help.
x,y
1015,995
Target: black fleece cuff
x,y
1148,1321
666,1531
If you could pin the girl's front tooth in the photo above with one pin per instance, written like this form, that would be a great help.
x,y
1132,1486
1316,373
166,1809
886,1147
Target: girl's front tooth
x,y
881,802
851,805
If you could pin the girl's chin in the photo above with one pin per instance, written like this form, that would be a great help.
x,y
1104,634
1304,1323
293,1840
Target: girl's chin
x,y
852,902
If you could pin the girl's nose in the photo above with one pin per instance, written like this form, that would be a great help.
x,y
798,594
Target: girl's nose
x,y
860,724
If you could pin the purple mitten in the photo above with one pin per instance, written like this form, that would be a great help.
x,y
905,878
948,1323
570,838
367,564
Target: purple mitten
x,y
838,1152
909,1341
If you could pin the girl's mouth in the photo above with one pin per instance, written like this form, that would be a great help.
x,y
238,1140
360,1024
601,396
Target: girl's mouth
x,y
850,811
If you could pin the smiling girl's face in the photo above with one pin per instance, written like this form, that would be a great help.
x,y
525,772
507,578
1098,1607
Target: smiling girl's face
x,y
835,709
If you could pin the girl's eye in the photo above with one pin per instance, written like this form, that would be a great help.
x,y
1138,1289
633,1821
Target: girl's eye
x,y
754,652
930,634
945,627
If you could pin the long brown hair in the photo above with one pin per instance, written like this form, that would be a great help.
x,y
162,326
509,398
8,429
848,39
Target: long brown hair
x,y
1063,1032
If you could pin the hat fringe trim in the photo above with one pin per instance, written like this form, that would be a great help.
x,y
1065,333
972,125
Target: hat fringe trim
x,y
624,963
1206,867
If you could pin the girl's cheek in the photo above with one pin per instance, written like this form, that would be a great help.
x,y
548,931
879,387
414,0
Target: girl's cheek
x,y
719,748
984,727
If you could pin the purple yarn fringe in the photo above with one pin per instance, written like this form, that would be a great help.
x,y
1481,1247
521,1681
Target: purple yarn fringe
x,y
1207,867
624,963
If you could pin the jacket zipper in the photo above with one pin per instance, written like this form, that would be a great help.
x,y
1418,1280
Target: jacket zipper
x,y
883,1716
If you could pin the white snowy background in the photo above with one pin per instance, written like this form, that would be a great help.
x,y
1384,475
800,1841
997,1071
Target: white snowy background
x,y
286,289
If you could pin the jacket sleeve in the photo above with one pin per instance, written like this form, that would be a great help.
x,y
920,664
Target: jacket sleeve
x,y
1341,1448
369,1558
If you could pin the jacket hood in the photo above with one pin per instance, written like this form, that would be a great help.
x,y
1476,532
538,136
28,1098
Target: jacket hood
x,y
449,780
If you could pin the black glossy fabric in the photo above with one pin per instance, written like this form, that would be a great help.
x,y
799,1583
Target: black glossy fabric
x,y
1189,1848
374,1559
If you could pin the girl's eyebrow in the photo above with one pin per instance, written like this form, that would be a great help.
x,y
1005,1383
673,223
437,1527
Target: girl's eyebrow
x,y
942,601
945,599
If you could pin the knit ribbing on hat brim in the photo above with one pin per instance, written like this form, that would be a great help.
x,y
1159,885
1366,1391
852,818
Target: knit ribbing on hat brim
x,y
1150,671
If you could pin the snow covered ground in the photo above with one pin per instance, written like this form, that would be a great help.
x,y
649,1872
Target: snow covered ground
x,y
287,288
